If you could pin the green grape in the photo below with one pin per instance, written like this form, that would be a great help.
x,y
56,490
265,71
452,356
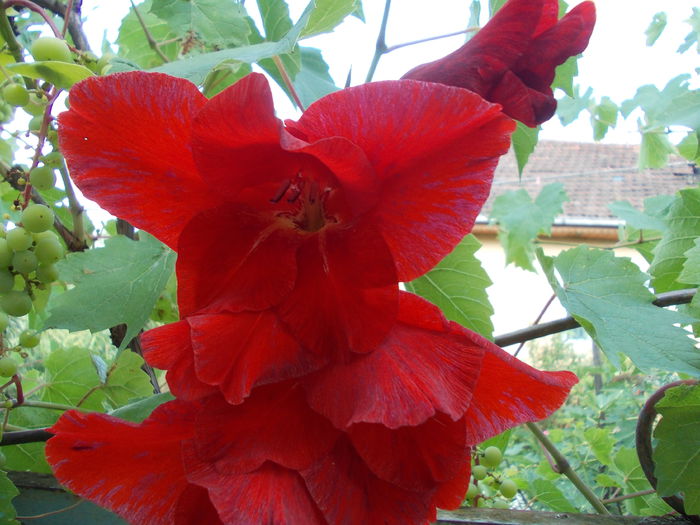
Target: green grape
x,y
53,159
501,504
37,218
492,457
24,261
19,239
35,106
50,48
479,472
5,254
4,321
508,488
35,123
7,281
15,94
42,178
16,303
472,491
8,366
29,338
47,273
481,502
49,251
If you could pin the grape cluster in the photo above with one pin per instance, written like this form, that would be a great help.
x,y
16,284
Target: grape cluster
x,y
27,257
487,488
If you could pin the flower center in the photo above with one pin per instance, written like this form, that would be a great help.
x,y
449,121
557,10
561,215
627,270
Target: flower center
x,y
307,200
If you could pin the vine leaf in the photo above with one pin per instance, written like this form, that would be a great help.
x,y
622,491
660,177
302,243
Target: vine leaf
x,y
458,286
691,266
327,14
524,141
607,296
677,454
119,283
7,492
548,493
521,220
133,46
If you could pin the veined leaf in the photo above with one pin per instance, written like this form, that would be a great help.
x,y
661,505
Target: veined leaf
x,y
524,141
61,74
133,45
327,14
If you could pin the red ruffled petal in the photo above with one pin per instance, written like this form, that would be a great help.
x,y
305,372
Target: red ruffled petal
x,y
271,495
169,347
134,470
273,424
510,392
433,153
126,141
347,492
239,351
413,374
451,494
414,458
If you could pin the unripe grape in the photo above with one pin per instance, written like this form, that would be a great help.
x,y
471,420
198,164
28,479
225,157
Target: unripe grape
x,y
492,457
8,367
50,48
42,178
7,281
479,472
47,273
472,491
53,159
508,488
35,123
501,504
4,321
49,251
35,106
15,94
24,262
5,254
29,338
16,303
19,239
37,218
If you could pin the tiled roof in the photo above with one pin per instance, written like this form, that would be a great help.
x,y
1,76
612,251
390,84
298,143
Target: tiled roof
x,y
594,175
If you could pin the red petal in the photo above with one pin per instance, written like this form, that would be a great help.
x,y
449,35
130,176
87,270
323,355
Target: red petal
x,y
414,458
169,347
195,506
134,470
450,494
273,424
433,149
271,495
413,374
348,493
239,351
234,258
336,303
126,140
509,393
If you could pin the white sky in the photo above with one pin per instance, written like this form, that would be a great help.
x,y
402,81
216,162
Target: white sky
x,y
616,62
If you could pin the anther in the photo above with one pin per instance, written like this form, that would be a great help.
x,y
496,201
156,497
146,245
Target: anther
x,y
281,191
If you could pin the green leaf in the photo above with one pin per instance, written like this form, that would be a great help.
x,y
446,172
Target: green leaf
x,y
683,227
500,441
676,104
125,380
133,45
61,74
275,18
313,81
139,410
601,443
521,220
569,108
458,286
689,147
677,454
564,76
655,149
694,36
656,27
116,284
638,219
607,296
524,140
691,266
7,493
603,117
327,15
494,6
216,22
549,494
627,464
70,375
196,68
604,480
474,17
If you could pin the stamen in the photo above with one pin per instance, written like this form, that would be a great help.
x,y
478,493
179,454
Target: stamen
x,y
281,191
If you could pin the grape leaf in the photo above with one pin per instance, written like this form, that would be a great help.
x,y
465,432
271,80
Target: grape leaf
x,y
675,104
655,149
691,266
216,22
549,494
564,76
627,464
70,375
327,14
125,380
116,284
607,296
313,81
603,117
683,227
569,108
458,286
641,220
7,492
524,140
694,36
676,456
133,45
601,443
656,27
521,220
689,147
61,74
139,410
275,18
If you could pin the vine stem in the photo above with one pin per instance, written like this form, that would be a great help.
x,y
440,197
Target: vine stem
x,y
33,7
66,18
565,468
380,48
76,210
151,41
430,39
287,81
537,321
51,406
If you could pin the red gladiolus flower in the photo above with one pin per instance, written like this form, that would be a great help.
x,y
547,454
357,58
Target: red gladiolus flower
x,y
306,228
512,59
383,439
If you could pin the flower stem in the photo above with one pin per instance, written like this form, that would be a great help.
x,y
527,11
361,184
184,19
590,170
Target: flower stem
x,y
288,81
430,39
564,467
155,46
